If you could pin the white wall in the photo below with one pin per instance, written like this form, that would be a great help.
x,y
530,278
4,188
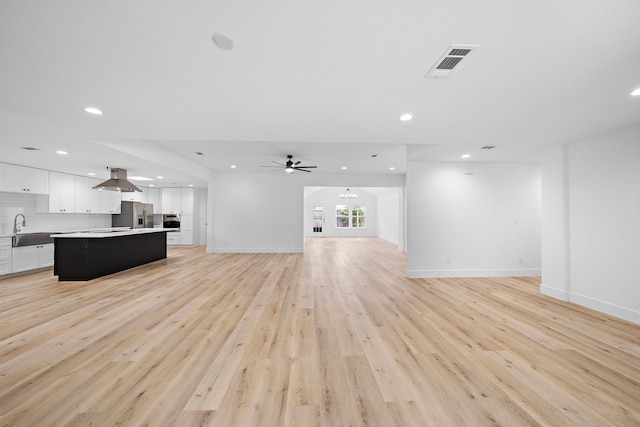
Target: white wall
x,y
263,212
485,224
328,198
390,226
601,220
12,204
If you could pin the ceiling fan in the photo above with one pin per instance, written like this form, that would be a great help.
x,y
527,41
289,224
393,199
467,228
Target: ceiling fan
x,y
290,166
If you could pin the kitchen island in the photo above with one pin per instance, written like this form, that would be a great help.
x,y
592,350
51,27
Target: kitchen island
x,y
88,255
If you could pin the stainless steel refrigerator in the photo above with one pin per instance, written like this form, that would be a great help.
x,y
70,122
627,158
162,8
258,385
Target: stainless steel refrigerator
x,y
134,215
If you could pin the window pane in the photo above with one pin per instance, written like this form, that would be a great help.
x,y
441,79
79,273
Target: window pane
x,y
342,210
342,221
357,210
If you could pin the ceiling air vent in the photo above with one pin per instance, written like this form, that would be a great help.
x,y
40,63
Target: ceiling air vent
x,y
450,60
488,147
30,148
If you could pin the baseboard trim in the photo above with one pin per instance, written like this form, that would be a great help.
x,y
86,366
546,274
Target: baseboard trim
x,y
254,250
554,292
606,307
434,274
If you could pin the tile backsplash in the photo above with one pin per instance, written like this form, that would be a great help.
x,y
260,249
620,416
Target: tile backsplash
x,y
12,204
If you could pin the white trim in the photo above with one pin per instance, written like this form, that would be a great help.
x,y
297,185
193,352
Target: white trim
x,y
606,307
556,293
254,250
432,274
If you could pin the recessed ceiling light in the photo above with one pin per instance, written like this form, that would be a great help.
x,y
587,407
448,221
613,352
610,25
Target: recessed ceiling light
x,y
159,177
93,110
466,156
222,41
233,166
344,168
190,185
392,168
406,117
636,92
151,185
61,152
140,178
91,174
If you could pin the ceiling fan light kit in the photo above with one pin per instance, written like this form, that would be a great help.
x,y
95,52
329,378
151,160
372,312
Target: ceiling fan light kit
x,y
290,166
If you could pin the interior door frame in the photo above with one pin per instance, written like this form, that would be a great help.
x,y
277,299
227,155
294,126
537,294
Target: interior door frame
x,y
323,224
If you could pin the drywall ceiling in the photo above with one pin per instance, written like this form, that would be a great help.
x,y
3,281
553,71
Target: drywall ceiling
x,y
323,81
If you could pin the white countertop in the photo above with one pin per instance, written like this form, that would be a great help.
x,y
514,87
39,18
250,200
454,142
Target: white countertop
x,y
112,232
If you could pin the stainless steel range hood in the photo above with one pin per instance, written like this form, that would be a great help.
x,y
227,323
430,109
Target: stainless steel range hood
x,y
118,182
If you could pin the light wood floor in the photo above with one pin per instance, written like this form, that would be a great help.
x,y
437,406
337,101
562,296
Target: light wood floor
x,y
334,337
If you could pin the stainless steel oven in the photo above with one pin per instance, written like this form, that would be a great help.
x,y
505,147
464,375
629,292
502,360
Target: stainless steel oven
x,y
171,221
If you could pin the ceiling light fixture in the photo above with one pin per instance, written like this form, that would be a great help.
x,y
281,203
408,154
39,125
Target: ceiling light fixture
x,y
344,168
140,178
233,166
348,195
636,92
91,174
466,156
61,152
222,41
159,177
406,117
392,168
93,110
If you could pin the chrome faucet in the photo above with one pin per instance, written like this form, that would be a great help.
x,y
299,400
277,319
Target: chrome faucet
x,y
15,223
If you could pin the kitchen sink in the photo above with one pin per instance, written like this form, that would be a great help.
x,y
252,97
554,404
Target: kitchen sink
x,y
31,239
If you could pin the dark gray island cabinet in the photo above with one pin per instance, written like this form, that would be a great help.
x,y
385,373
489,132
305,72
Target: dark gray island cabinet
x,y
86,256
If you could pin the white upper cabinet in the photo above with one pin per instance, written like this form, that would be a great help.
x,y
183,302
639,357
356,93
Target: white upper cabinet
x,y
131,197
61,192
20,179
172,200
87,200
187,200
110,202
177,200
154,196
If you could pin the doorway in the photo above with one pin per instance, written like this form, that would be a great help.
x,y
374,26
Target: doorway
x,y
317,220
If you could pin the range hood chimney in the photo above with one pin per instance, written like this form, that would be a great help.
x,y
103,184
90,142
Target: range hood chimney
x,y
118,182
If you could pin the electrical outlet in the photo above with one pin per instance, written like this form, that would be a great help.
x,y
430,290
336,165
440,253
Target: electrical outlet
x,y
520,260
448,260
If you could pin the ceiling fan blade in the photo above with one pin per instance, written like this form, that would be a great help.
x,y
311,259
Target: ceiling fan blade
x,y
279,164
306,167
302,170
269,166
297,163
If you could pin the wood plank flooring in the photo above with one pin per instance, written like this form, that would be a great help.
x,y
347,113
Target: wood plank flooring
x,y
336,336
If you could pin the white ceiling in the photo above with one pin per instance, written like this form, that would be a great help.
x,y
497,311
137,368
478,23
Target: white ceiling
x,y
324,81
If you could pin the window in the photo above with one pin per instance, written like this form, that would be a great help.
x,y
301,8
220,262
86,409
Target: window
x,y
350,216
342,216
357,216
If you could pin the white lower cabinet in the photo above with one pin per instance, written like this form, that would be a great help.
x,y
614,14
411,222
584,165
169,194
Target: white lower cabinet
x,y
173,238
31,257
186,229
5,255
